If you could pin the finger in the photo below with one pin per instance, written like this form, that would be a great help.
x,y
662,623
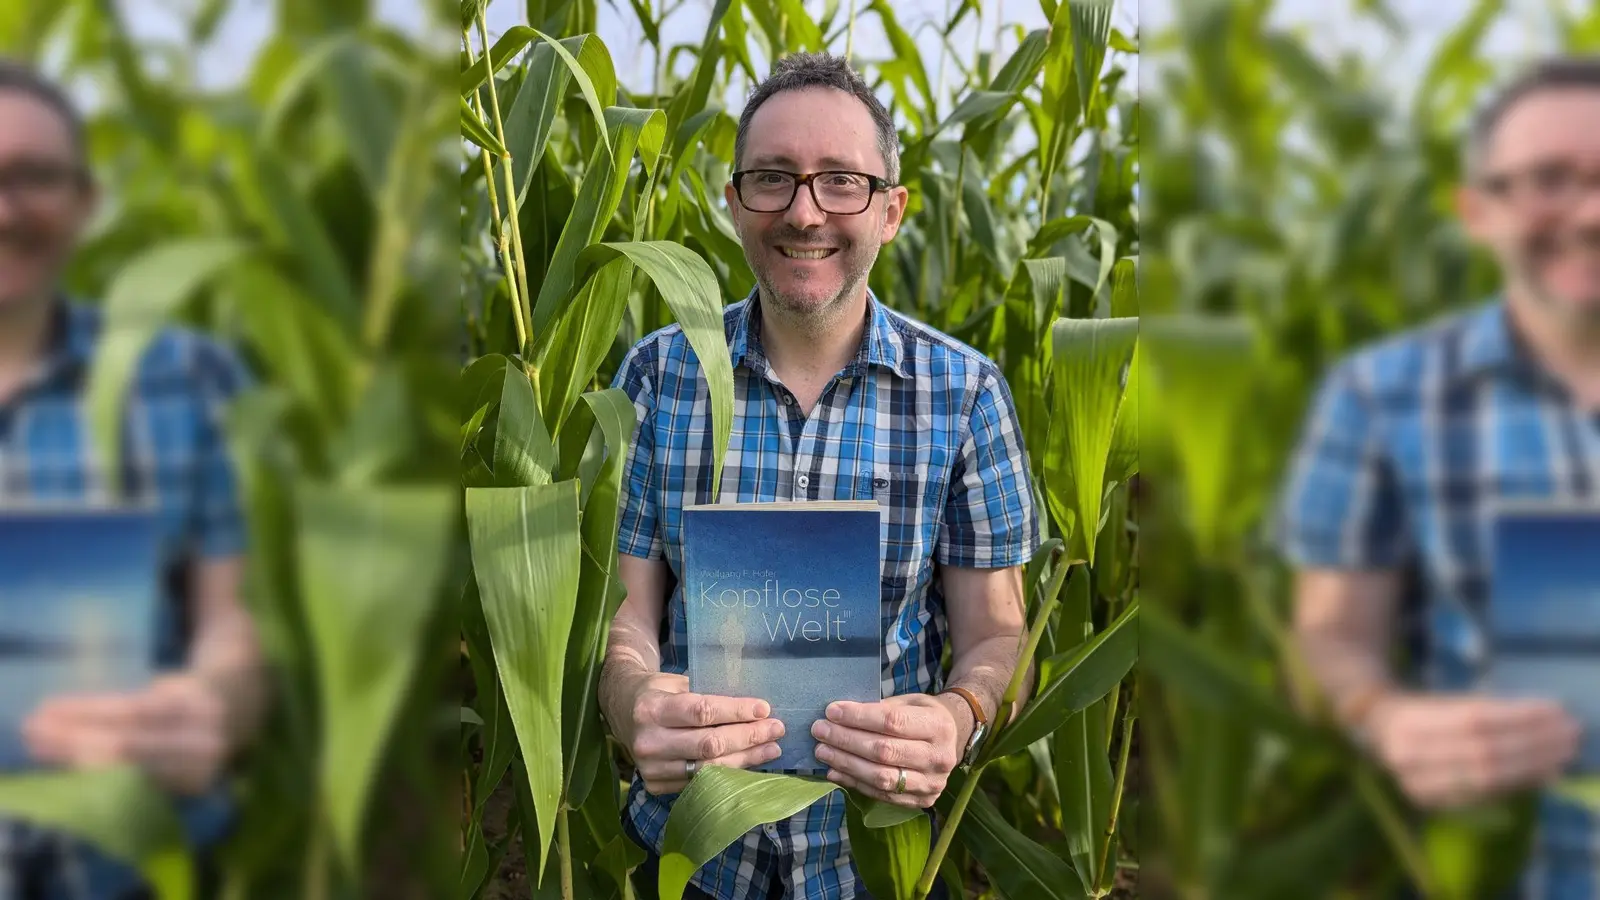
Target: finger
x,y
908,799
875,747
874,775
705,743
668,770
916,723
704,710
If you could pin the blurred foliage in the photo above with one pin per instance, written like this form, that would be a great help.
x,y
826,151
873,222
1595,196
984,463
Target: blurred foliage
x,y
303,214
593,214
1299,204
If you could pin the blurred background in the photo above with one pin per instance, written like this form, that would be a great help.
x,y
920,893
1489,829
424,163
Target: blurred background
x,y
281,174
1297,164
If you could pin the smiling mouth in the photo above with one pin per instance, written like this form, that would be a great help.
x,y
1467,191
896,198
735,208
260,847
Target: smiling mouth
x,y
807,254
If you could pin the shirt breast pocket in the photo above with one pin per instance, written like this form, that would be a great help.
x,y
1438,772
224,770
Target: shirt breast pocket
x,y
905,526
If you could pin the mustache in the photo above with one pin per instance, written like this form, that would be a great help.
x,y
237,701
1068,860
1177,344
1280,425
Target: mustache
x,y
1549,242
801,241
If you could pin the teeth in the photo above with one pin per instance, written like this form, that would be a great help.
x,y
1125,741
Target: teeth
x,y
805,254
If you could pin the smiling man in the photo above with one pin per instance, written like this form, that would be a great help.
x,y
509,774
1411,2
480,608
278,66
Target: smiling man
x,y
182,728
836,397
1412,442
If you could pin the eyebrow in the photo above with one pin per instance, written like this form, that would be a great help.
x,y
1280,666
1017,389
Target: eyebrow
x,y
828,162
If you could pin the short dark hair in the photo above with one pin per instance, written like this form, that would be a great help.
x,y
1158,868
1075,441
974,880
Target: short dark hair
x,y
1554,73
799,71
19,77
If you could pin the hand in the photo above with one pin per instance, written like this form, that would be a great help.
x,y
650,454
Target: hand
x,y
1456,751
866,745
176,729
668,726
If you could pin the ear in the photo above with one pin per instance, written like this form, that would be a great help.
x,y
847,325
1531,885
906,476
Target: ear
x,y
894,211
731,197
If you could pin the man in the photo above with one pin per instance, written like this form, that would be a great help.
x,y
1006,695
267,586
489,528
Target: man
x,y
837,397
1411,442
182,728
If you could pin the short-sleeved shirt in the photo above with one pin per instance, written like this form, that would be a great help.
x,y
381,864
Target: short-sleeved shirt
x,y
1409,446
918,421
174,459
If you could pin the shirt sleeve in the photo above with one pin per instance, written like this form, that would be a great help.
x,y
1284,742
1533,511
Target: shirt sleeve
x,y
990,520
638,531
1341,505
217,523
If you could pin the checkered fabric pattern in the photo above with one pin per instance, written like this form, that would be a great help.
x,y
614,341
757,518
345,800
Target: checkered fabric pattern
x,y
1409,445
174,458
918,421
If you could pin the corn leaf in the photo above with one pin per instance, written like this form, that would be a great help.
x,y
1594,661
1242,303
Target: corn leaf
x,y
526,547
690,290
118,810
718,807
890,859
1083,675
1018,867
1091,356
371,561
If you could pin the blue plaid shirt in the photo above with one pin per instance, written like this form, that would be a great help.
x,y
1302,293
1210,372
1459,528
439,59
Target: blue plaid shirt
x,y
172,456
1409,445
918,421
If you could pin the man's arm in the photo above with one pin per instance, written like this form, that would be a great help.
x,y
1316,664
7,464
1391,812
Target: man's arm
x,y
226,651
633,651
986,611
1343,624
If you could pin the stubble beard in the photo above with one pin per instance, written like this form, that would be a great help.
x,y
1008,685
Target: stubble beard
x,y
809,318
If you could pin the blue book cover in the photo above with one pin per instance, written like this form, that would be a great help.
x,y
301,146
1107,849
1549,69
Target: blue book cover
x,y
79,590
1543,622
783,604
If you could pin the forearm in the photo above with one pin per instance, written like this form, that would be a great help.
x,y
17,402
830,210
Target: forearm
x,y
1342,628
631,654
226,654
985,669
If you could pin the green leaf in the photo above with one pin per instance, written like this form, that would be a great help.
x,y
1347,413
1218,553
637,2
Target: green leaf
x,y
1084,785
690,289
598,198
1091,356
1018,867
118,810
890,858
583,334
613,412
526,546
530,116
1084,675
473,129
371,565
718,807
141,302
523,452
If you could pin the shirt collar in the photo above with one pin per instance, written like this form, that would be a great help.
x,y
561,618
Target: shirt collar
x,y
1488,345
882,345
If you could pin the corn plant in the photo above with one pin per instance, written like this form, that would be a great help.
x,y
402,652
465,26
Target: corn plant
x,y
1299,210
592,214
298,215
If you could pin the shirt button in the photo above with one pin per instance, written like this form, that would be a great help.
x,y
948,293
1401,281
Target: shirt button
x,y
772,831
803,481
788,399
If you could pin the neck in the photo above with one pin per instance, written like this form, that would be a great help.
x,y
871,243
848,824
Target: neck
x,y
24,329
809,347
1570,350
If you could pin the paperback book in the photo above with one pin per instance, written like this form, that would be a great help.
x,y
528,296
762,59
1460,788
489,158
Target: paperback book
x,y
783,604
1543,623
79,590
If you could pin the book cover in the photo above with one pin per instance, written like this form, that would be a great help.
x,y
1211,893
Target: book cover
x,y
1543,622
783,603
78,603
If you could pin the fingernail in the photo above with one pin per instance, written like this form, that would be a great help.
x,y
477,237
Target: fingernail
x,y
778,731
833,711
823,752
763,709
774,751
821,729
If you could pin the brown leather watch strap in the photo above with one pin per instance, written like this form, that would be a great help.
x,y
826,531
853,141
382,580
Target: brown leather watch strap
x,y
972,701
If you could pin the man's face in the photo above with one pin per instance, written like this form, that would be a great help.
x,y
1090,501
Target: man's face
x,y
44,203
1536,204
802,132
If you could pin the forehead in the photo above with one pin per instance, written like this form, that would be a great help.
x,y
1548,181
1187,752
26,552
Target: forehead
x,y
31,129
815,128
1551,125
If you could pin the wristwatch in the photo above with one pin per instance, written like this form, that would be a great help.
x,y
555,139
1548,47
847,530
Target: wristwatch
x,y
980,730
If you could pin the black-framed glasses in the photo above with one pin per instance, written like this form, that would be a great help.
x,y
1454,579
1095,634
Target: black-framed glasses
x,y
837,193
1541,184
36,181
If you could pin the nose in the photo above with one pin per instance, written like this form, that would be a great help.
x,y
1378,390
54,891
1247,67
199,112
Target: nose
x,y
804,212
